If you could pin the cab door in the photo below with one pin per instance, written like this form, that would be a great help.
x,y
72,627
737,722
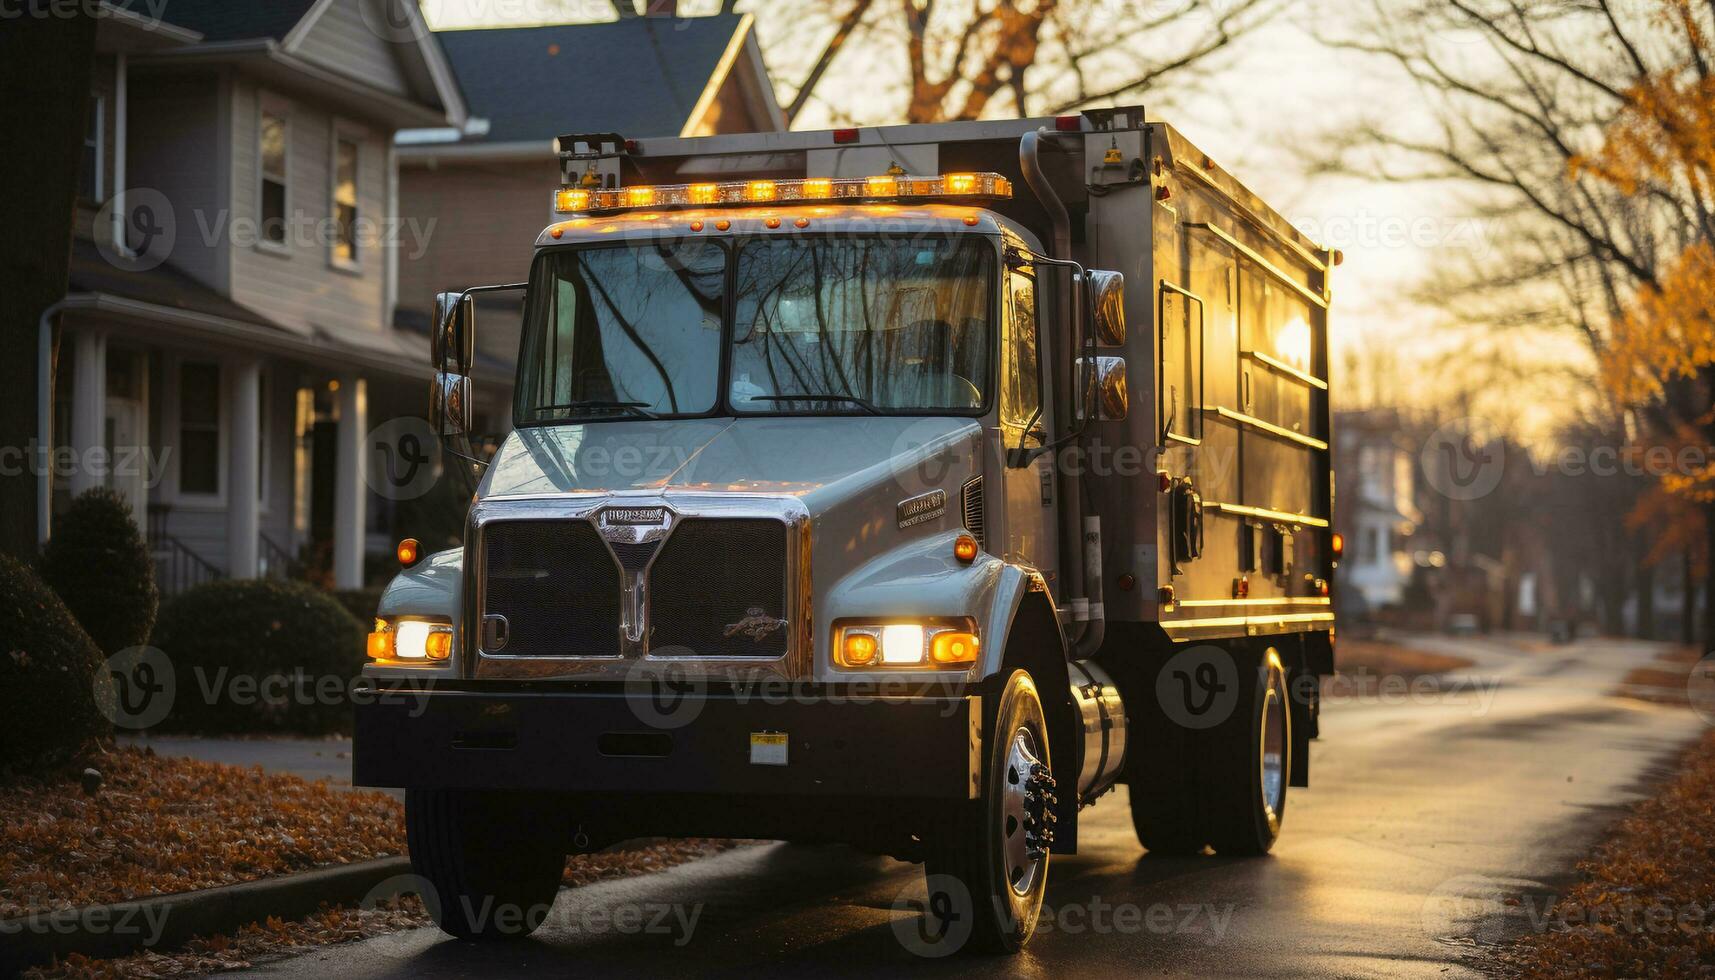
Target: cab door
x,y
1026,493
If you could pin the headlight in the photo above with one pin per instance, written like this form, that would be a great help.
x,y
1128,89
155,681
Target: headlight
x,y
910,644
409,641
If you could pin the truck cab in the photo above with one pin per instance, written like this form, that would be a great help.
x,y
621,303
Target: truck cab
x,y
823,460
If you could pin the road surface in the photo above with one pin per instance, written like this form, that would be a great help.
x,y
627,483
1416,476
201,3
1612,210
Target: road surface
x,y
1427,812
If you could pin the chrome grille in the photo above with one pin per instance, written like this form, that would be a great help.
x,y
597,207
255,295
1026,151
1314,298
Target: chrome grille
x,y
718,589
972,502
556,584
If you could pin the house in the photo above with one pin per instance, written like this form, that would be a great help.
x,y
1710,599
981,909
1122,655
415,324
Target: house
x,y
226,351
1375,508
487,187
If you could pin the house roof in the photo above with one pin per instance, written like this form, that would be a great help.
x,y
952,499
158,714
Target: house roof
x,y
225,20
91,272
535,83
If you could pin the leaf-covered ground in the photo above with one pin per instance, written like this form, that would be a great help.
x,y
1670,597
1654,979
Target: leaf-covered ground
x,y
157,825
342,924
1645,906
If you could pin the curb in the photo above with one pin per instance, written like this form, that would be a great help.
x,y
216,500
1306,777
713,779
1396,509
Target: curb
x,y
168,921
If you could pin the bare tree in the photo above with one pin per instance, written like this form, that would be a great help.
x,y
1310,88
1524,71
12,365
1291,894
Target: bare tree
x,y
1525,94
964,59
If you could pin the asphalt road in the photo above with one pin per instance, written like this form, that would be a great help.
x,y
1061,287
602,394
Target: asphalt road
x,y
1435,822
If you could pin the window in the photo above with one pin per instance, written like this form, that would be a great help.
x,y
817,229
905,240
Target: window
x,y
866,323
614,332
345,201
1181,388
271,163
1021,400
91,175
199,428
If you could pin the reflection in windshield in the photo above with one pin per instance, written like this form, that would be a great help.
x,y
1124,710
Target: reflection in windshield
x,y
624,331
862,324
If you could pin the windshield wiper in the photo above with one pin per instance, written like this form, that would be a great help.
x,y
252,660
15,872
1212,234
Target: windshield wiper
x,y
862,403
638,409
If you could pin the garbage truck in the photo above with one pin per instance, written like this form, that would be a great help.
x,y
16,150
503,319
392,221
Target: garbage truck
x,y
909,487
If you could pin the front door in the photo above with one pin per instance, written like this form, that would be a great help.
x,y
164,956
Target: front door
x,y
125,433
1026,493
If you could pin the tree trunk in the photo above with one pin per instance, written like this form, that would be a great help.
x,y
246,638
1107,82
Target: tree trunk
x,y
1709,577
1646,602
46,59
1688,602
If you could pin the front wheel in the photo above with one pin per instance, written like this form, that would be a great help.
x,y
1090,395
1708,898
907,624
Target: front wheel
x,y
484,879
987,866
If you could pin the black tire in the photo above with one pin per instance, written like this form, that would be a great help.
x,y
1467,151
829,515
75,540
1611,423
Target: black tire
x,y
1250,761
969,869
1161,778
488,874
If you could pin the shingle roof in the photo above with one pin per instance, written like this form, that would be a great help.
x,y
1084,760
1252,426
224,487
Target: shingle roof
x,y
232,20
536,83
166,285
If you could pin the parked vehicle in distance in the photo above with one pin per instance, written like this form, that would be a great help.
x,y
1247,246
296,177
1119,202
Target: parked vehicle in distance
x,y
828,516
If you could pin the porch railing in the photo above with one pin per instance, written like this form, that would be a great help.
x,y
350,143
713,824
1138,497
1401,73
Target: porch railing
x,y
177,567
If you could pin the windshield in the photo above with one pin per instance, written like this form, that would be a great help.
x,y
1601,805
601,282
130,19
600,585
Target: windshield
x,y
623,331
875,323
870,324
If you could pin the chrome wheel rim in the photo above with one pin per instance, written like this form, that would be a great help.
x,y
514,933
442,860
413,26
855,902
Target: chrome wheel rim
x,y
1022,809
1274,735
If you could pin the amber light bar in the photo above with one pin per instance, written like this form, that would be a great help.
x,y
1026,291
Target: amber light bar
x,y
886,187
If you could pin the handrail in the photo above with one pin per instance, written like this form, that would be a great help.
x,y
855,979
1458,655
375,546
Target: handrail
x,y
276,562
181,568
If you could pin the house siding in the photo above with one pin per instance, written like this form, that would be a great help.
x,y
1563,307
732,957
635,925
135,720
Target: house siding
x,y
174,149
341,39
298,284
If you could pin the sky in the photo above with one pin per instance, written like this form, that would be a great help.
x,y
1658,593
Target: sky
x,y
1263,110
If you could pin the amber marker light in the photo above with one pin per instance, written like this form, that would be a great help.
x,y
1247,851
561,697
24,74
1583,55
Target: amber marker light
x,y
885,185
965,548
818,187
858,649
381,642
572,199
953,647
722,225
704,193
439,645
639,197
801,223
409,552
1338,544
772,222
761,190
961,183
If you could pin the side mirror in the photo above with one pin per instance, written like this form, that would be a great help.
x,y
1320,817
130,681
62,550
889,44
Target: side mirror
x,y
1107,388
1107,306
449,404
453,334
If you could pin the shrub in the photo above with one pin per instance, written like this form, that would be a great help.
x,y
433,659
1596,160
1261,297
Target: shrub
x,y
361,603
255,656
100,566
48,666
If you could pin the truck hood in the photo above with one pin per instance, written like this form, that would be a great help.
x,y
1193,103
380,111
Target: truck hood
x,y
819,457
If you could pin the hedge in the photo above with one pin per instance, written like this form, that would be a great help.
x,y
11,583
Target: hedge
x,y
259,656
98,563
48,668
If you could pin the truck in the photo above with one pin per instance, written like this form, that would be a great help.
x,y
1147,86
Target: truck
x,y
826,514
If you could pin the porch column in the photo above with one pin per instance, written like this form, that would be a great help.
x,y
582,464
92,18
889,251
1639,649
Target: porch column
x,y
89,410
244,462
351,488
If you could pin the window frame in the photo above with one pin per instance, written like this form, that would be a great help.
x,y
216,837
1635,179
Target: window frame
x,y
344,132
98,121
269,105
1163,423
173,409
1007,332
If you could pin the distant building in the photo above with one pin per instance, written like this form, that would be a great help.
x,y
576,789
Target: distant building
x,y
1374,507
487,186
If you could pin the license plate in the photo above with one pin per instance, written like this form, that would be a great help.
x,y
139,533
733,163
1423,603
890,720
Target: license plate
x,y
767,748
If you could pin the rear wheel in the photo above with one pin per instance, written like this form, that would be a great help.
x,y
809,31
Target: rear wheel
x,y
1211,770
485,880
987,866
1252,756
